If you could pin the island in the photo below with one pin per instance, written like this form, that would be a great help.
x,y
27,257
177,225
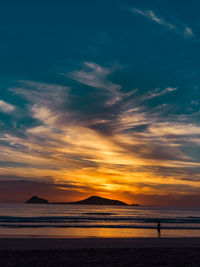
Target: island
x,y
93,200
37,200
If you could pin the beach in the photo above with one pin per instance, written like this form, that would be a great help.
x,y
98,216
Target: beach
x,y
99,251
59,235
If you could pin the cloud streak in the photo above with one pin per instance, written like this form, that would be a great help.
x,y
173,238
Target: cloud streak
x,y
95,76
6,107
152,16
158,92
178,28
188,32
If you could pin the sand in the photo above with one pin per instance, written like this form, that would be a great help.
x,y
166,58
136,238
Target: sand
x,y
99,252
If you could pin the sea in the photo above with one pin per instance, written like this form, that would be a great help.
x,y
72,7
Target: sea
x,y
75,221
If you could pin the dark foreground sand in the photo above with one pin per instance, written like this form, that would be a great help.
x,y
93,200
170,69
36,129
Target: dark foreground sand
x,y
99,252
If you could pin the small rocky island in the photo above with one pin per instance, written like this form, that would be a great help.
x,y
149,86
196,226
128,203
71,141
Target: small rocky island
x,y
37,200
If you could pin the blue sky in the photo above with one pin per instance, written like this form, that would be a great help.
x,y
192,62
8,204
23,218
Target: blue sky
x,y
100,97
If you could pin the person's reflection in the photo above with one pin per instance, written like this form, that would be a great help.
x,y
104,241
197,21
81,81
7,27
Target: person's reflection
x,y
158,229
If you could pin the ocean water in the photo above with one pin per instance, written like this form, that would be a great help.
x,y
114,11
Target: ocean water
x,y
97,221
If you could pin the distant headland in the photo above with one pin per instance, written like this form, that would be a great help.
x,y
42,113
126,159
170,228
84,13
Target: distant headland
x,y
93,200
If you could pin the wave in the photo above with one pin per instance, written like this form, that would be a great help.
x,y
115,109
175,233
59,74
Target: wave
x,y
98,213
98,226
65,219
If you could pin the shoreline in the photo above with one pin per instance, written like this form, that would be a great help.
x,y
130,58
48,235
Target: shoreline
x,y
96,233
30,243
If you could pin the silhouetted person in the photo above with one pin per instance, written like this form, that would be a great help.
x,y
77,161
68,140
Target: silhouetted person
x,y
158,229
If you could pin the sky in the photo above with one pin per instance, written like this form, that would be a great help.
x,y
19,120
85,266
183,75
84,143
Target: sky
x,y
100,98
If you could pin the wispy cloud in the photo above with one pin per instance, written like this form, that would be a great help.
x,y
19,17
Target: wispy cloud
x,y
45,99
175,129
188,32
96,76
179,28
158,92
6,107
151,15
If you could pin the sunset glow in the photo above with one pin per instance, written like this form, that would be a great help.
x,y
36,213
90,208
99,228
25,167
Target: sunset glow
x,y
106,114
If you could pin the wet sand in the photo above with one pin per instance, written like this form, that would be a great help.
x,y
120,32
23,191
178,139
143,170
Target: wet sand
x,y
99,252
86,243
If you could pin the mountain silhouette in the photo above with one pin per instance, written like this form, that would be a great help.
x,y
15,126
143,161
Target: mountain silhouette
x,y
37,200
95,200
